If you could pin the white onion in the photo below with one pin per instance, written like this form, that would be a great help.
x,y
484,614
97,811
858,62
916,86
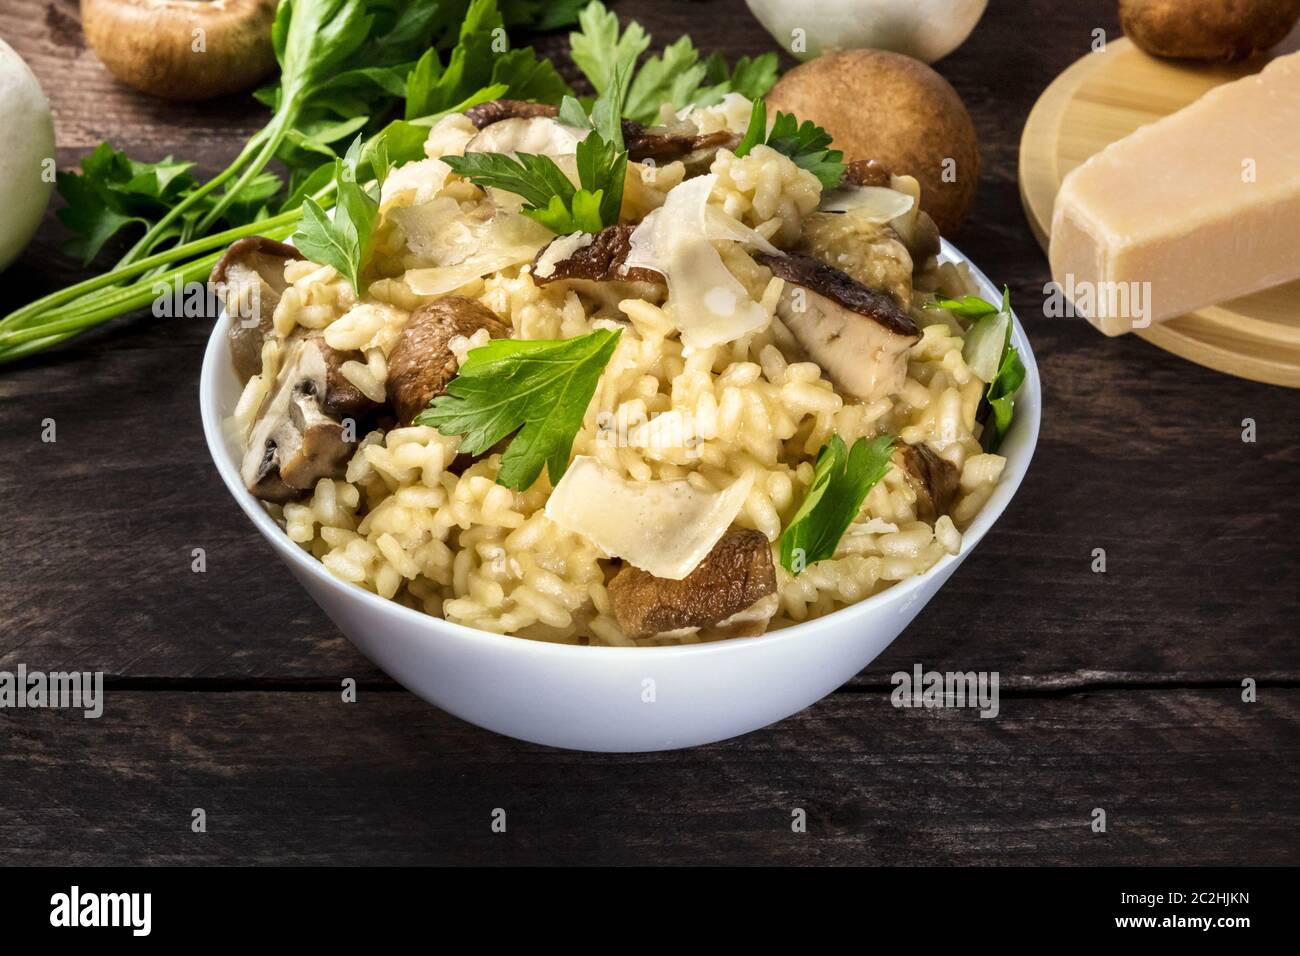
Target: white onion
x,y
925,29
26,157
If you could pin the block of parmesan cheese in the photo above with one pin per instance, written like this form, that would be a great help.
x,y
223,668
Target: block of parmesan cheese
x,y
1197,208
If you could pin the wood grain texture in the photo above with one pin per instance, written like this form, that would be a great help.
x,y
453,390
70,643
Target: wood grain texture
x,y
301,778
1124,681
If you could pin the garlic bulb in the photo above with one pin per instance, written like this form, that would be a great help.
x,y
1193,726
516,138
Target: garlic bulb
x,y
925,29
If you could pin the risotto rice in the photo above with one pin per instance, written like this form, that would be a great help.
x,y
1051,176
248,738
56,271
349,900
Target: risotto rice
x,y
410,519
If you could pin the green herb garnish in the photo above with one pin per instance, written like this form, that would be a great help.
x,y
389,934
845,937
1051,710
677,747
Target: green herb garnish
x,y
1001,397
991,356
841,480
549,195
537,390
112,192
968,306
345,67
805,143
343,241
677,76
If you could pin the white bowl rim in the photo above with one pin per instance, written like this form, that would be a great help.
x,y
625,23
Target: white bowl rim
x,y
1024,428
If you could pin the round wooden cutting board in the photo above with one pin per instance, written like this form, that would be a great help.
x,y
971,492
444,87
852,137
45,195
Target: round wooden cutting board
x,y
1104,97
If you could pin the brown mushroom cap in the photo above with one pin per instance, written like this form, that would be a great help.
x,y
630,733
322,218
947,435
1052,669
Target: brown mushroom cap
x,y
494,111
183,49
935,480
422,362
1196,30
733,576
892,108
601,260
866,172
249,281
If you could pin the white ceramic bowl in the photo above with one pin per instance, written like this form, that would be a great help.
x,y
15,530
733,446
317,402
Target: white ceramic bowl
x,y
614,698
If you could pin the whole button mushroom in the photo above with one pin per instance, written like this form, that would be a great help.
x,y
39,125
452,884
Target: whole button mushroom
x,y
1195,30
183,49
894,109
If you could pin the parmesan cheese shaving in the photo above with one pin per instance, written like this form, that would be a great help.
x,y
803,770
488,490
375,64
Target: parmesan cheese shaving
x,y
708,303
559,250
875,203
459,248
665,528
413,183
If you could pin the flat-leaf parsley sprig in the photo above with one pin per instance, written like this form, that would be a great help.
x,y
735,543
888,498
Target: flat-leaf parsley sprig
x,y
989,353
550,197
344,240
537,390
807,144
842,478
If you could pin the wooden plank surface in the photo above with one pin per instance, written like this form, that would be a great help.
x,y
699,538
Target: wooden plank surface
x,y
1122,686
302,778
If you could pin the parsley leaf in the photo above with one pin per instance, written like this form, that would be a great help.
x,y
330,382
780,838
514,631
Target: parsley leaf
x,y
841,480
806,144
1001,398
751,78
677,75
344,240
598,48
538,390
992,357
476,63
113,191
550,197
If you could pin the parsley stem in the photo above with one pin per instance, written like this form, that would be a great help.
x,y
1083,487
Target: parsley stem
x,y
73,296
137,296
275,132
155,232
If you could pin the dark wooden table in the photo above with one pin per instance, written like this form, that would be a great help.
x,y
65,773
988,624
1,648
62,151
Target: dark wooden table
x,y
1121,690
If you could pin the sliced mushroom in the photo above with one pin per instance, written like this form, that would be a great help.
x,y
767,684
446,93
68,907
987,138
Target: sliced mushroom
x,y
858,336
696,152
868,252
422,362
601,258
494,111
249,281
735,576
307,428
934,479
865,172
540,135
